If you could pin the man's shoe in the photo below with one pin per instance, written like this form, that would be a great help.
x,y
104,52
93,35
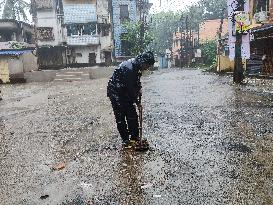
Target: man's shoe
x,y
134,142
127,145
142,145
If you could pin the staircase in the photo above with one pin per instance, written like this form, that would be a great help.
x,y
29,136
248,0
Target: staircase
x,y
71,75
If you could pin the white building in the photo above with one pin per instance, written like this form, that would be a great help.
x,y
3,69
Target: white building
x,y
72,33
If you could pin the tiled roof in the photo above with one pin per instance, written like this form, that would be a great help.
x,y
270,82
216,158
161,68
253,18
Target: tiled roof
x,y
79,13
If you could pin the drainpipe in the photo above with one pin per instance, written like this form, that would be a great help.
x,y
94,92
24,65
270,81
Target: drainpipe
x,y
110,8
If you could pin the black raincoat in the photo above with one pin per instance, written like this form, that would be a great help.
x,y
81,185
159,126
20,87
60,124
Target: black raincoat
x,y
125,83
123,91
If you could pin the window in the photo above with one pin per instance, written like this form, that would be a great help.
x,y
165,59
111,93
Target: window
x,y
28,37
45,33
81,29
124,13
105,32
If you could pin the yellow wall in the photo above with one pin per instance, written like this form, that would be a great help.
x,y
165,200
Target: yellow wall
x,y
225,64
4,70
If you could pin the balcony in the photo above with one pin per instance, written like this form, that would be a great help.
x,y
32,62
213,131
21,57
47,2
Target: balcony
x,y
83,40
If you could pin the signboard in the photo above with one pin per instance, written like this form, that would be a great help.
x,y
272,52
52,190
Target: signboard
x,y
242,22
198,53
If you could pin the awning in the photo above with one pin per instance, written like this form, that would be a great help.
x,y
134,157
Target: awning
x,y
264,28
14,52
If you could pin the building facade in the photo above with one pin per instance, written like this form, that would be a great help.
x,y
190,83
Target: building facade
x,y
17,54
261,40
122,12
72,33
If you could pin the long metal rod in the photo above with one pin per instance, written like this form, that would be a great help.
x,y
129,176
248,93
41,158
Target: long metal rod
x,y
140,123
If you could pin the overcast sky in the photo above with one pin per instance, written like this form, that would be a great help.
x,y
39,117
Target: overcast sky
x,y
170,5
166,5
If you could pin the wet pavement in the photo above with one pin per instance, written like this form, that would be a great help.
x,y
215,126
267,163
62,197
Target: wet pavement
x,y
212,143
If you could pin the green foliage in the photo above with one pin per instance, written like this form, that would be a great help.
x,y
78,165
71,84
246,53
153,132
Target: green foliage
x,y
209,51
195,16
15,9
16,45
163,25
138,42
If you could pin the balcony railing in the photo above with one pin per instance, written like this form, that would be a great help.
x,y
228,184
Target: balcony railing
x,y
82,40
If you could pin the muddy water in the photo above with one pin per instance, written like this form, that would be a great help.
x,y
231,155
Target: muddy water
x,y
211,143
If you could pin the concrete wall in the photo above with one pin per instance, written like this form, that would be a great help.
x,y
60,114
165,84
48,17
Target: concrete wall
x,y
29,62
102,10
106,42
48,18
14,67
85,54
15,64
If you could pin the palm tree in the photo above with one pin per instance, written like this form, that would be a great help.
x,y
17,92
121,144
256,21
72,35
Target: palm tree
x,y
15,9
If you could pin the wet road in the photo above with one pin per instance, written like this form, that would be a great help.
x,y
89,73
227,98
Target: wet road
x,y
212,143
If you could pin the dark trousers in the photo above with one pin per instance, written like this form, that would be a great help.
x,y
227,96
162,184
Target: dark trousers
x,y
126,118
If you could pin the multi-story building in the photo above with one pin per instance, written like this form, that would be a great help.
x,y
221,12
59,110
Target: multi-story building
x,y
72,33
17,54
123,11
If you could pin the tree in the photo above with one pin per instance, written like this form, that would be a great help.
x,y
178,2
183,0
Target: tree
x,y
209,50
137,40
212,9
15,9
163,25
195,15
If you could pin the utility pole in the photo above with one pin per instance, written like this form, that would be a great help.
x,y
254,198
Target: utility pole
x,y
181,39
187,41
220,40
238,75
191,46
